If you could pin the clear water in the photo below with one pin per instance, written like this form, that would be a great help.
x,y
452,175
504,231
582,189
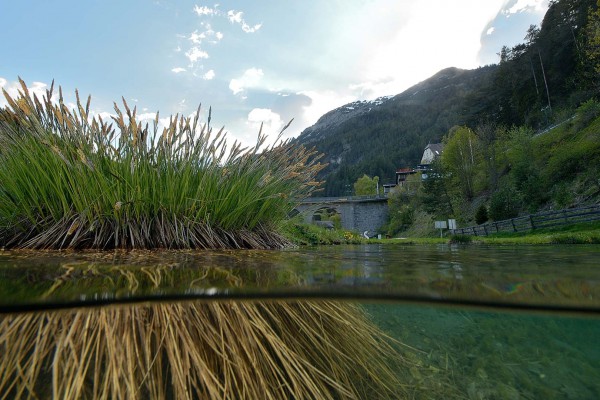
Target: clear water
x,y
481,322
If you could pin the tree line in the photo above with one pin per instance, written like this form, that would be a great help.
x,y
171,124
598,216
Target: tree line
x,y
535,84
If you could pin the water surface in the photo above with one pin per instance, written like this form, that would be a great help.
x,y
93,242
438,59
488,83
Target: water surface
x,y
550,277
477,322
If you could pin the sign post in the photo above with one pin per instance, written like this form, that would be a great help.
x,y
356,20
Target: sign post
x,y
452,224
441,225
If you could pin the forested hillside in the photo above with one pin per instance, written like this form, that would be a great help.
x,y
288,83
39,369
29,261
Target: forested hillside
x,y
535,84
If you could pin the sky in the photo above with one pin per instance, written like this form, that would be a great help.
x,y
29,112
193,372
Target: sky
x,y
252,62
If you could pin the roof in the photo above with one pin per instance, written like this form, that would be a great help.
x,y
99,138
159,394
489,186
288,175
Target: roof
x,y
436,148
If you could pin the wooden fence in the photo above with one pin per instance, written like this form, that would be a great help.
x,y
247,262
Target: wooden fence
x,y
540,220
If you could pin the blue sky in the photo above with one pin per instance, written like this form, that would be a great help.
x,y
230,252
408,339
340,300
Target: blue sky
x,y
253,62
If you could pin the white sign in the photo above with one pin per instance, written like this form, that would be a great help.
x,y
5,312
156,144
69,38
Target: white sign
x,y
451,224
440,225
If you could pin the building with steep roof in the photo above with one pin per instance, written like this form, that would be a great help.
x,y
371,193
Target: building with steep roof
x,y
432,151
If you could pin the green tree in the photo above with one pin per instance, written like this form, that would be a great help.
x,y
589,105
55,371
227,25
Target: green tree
x,y
592,31
403,202
505,203
488,134
460,157
525,172
481,216
365,186
435,198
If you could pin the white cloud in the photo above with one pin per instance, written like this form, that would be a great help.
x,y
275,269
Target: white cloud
x,y
203,10
145,116
196,37
236,17
12,88
178,70
236,86
490,31
441,43
219,35
106,116
271,123
250,79
194,54
528,5
321,103
209,75
265,116
250,29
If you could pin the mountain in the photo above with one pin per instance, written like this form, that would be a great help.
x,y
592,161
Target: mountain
x,y
377,137
535,84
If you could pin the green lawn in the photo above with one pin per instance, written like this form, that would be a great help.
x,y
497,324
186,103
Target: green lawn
x,y
584,233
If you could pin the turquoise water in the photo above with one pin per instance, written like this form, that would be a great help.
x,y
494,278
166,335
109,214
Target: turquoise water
x,y
474,322
497,355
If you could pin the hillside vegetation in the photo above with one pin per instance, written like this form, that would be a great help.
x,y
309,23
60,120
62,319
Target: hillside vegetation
x,y
495,173
536,84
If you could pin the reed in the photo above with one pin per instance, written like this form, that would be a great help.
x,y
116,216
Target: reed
x,y
208,350
70,180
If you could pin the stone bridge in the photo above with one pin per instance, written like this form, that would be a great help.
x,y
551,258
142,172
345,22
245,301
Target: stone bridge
x,y
357,213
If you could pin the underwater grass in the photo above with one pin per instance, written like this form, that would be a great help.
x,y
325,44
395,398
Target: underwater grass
x,y
70,180
208,350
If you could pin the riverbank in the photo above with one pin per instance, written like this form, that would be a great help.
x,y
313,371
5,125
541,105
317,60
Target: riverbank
x,y
312,235
586,233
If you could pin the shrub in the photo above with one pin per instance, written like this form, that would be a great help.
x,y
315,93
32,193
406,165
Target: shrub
x,y
68,180
504,204
481,216
461,239
586,113
562,195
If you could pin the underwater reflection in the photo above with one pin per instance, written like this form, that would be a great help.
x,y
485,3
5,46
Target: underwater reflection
x,y
549,277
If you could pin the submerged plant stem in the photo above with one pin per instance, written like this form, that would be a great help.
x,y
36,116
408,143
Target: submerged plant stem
x,y
212,350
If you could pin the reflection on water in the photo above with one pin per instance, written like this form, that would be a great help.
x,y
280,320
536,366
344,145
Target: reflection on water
x,y
541,276
444,351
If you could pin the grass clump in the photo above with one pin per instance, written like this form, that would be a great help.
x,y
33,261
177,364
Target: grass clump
x,y
460,239
301,233
207,350
70,180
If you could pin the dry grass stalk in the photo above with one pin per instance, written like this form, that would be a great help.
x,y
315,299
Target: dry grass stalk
x,y
208,350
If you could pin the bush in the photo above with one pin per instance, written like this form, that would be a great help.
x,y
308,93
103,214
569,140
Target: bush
x,y
586,113
68,180
505,203
562,195
461,239
481,216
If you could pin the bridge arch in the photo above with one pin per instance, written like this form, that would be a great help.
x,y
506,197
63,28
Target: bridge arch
x,y
358,214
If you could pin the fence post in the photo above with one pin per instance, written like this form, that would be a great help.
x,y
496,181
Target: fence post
x,y
512,221
496,225
531,222
485,229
